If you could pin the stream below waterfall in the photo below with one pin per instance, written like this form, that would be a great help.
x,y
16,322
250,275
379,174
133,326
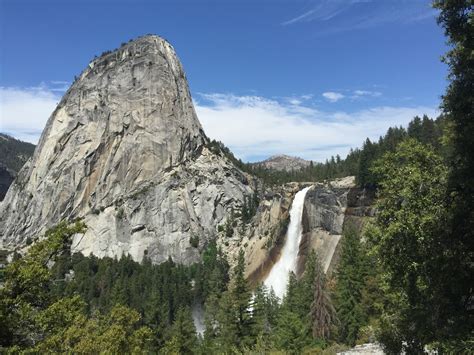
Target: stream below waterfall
x,y
279,275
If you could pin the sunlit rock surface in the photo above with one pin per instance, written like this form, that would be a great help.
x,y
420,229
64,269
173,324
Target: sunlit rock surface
x,y
125,151
364,349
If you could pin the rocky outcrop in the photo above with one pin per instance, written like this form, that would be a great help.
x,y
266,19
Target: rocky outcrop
x,y
364,349
283,163
125,151
323,220
328,208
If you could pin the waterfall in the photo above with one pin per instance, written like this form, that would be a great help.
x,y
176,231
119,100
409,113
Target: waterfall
x,y
278,277
198,319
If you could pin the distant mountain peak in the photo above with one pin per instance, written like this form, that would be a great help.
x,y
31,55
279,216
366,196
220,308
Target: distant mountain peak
x,y
283,162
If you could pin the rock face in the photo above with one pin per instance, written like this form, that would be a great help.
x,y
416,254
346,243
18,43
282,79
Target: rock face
x,y
364,349
283,163
328,208
125,151
323,220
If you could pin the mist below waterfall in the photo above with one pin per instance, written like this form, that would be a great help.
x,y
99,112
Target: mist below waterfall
x,y
278,277
198,319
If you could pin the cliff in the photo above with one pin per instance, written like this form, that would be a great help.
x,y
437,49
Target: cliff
x,y
328,208
124,151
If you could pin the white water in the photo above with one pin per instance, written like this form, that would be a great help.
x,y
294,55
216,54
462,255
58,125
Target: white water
x,y
198,319
278,277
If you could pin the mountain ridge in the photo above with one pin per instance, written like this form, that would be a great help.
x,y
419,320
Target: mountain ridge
x,y
283,162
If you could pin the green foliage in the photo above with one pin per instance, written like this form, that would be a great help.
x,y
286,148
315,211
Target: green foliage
x,y
405,240
367,156
455,280
300,293
291,334
306,316
155,291
265,311
219,148
350,281
249,208
359,161
412,180
182,338
229,225
117,332
120,213
92,305
322,312
60,315
194,241
423,232
28,281
212,274
241,301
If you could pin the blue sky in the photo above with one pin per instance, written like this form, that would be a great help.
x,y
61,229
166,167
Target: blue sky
x,y
308,78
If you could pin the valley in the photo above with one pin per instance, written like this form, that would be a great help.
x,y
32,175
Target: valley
x,y
127,229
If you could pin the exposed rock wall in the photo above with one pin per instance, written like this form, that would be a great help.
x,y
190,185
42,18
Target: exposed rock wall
x,y
125,151
268,230
328,208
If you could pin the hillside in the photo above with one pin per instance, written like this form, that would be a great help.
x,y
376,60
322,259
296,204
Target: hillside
x,y
13,155
283,162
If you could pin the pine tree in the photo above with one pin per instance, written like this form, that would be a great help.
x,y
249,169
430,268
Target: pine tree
x,y
350,282
367,156
290,334
322,312
182,338
241,298
407,242
227,330
273,308
454,279
259,311
292,296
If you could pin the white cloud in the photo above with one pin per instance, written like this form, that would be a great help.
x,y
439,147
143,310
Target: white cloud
x,y
360,93
297,99
332,16
255,127
332,96
304,17
59,85
294,101
24,111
